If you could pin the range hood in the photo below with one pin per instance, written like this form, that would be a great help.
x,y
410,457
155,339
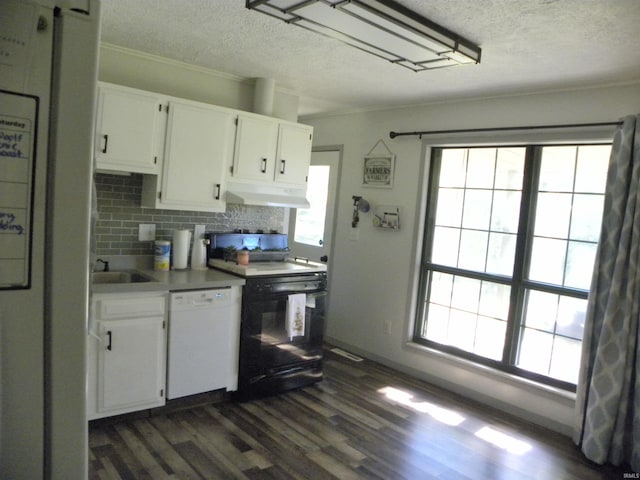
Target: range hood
x,y
266,195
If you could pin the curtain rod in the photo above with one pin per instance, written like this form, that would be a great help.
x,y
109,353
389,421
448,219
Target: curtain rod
x,y
503,129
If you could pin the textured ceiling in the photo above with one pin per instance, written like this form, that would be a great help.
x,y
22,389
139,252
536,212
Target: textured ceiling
x,y
527,46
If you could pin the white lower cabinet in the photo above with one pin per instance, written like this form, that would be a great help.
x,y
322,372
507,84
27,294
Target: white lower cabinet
x,y
126,353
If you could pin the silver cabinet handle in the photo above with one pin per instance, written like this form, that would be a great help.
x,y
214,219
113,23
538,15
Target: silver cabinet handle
x,y
283,164
263,168
106,142
217,196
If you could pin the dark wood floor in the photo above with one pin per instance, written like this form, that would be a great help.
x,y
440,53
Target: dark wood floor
x,y
363,421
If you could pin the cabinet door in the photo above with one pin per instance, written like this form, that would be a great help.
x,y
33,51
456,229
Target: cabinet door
x,y
294,154
198,150
255,148
131,363
128,130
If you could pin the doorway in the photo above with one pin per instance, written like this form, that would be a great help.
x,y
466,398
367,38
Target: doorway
x,y
311,229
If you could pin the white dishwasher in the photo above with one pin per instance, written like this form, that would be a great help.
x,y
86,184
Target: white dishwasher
x,y
203,341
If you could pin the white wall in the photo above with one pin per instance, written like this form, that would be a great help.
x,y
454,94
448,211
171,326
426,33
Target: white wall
x,y
373,278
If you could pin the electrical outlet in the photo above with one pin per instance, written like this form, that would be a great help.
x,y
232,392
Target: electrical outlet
x,y
146,232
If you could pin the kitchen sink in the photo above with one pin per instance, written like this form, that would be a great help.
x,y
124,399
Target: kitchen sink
x,y
119,277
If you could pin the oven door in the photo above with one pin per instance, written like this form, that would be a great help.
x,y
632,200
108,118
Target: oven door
x,y
265,346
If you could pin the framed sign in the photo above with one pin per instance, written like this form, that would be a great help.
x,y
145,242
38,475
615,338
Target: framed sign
x,y
377,170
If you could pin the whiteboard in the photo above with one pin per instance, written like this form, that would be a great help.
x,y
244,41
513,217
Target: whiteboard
x,y
18,128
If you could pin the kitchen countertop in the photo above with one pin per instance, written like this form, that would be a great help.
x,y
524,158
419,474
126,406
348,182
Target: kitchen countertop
x,y
172,281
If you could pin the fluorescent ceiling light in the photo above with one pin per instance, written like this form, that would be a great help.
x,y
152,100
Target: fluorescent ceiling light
x,y
380,27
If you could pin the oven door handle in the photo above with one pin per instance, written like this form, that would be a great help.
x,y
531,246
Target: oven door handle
x,y
278,374
288,289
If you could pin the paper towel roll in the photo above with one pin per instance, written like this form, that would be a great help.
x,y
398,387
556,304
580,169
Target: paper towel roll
x,y
181,240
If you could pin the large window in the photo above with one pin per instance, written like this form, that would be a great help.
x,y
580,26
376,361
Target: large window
x,y
510,242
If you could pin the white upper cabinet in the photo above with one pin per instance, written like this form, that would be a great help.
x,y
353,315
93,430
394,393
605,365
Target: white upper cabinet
x,y
129,130
294,153
198,149
268,150
186,149
255,148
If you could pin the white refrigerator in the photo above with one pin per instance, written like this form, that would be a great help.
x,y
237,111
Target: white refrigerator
x,y
48,65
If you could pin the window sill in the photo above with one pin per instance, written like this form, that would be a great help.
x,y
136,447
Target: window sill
x,y
525,384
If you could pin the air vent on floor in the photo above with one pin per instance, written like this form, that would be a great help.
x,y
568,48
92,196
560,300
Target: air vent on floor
x,y
348,355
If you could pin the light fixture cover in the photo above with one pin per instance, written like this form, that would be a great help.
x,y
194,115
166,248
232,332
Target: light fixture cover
x,y
380,27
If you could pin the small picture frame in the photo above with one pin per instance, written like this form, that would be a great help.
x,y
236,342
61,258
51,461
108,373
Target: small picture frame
x,y
378,170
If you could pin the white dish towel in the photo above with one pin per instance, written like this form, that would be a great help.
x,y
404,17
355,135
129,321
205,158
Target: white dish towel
x,y
296,304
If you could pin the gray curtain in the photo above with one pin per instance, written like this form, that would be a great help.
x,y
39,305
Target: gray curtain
x,y
608,393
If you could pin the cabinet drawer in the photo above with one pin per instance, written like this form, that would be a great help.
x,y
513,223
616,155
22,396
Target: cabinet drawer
x,y
117,308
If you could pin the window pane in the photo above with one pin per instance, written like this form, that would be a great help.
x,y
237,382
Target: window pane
x,y
477,209
568,216
473,250
441,288
565,359
541,310
309,228
462,329
453,167
494,300
571,316
586,217
505,213
489,341
554,325
557,169
466,294
580,259
510,168
502,251
481,167
468,314
445,246
438,326
449,211
547,260
593,163
553,214
535,351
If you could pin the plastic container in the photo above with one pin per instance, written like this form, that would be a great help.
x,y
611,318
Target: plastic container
x,y
162,255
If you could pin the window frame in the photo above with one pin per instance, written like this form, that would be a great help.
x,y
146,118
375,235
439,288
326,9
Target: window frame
x,y
518,282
